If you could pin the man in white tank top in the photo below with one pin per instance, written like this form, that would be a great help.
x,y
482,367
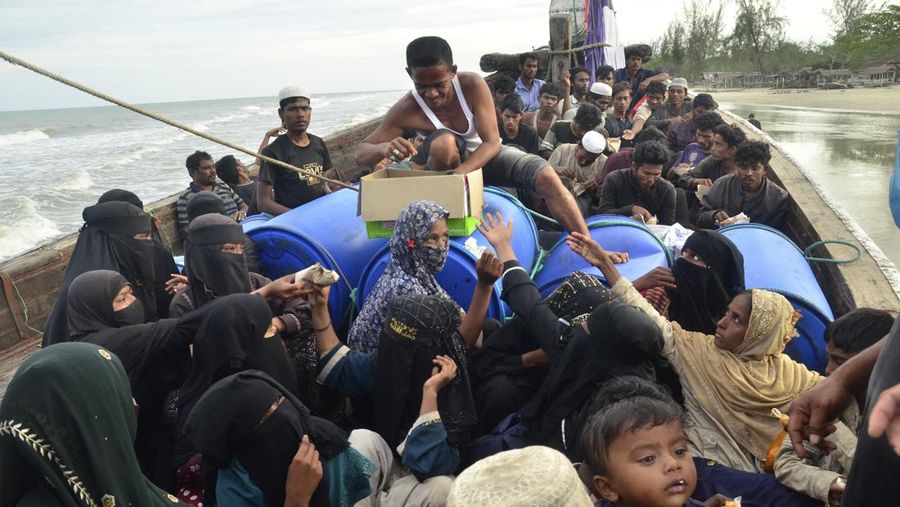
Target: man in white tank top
x,y
455,112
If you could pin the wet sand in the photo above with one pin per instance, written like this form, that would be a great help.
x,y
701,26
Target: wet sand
x,y
877,100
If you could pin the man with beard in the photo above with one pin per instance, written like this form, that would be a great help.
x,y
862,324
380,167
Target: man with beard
x,y
577,81
682,131
721,161
528,86
455,113
202,170
746,191
676,106
280,189
640,192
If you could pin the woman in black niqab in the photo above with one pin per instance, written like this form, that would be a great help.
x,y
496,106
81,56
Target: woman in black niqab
x,y
709,273
115,236
163,263
235,336
212,272
235,420
418,328
155,355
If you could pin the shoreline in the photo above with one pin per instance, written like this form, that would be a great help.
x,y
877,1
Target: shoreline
x,y
882,101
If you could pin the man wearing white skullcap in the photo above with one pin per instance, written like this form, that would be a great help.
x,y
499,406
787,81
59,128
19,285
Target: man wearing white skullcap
x,y
535,476
600,95
281,189
582,163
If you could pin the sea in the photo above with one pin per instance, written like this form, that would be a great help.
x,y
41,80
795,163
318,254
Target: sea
x,y
56,162
849,153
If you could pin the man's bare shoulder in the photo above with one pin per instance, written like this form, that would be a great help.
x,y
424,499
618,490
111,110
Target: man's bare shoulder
x,y
405,113
470,80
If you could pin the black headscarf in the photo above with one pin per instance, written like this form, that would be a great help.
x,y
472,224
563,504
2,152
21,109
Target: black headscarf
x,y
163,264
623,340
117,194
232,339
703,294
106,241
155,355
211,272
229,421
204,203
418,328
576,297
67,424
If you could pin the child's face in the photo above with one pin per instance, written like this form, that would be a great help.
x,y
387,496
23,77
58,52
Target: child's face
x,y
649,467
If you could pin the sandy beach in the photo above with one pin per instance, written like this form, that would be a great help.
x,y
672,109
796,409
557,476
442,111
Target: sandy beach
x,y
878,100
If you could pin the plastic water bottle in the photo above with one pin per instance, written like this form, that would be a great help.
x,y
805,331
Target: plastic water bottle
x,y
894,193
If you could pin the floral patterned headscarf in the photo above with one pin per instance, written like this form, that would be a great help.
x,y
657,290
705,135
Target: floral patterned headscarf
x,y
411,271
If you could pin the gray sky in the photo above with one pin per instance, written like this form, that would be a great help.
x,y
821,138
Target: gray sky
x,y
168,50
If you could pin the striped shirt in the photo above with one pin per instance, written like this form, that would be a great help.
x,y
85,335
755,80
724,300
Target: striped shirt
x,y
232,201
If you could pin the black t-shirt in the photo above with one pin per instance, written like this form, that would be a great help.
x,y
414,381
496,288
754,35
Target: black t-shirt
x,y
563,132
526,140
291,188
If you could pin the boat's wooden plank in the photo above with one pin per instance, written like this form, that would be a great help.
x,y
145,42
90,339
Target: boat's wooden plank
x,y
11,358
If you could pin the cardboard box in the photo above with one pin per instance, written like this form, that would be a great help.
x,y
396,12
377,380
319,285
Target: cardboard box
x,y
383,194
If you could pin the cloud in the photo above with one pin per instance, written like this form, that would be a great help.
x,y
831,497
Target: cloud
x,y
168,50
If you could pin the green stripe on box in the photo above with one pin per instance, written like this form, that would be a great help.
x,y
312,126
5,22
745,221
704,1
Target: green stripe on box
x,y
456,226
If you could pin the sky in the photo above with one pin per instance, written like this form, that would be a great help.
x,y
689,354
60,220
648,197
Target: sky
x,y
172,50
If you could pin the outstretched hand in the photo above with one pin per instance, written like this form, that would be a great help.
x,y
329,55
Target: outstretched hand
x,y
318,296
489,268
587,248
499,235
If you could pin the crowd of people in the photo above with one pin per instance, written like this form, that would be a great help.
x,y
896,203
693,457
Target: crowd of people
x,y
221,386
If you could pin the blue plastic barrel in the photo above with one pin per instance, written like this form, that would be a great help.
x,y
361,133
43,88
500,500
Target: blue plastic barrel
x,y
253,221
459,276
326,230
615,233
774,262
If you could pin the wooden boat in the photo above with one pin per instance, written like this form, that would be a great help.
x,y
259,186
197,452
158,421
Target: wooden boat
x,y
31,280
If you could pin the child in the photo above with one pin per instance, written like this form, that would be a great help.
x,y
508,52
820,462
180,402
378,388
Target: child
x,y
853,333
636,455
824,476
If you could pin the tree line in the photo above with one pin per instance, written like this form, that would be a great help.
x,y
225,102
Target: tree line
x,y
696,40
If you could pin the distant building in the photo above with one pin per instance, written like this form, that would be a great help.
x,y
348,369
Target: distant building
x,y
886,73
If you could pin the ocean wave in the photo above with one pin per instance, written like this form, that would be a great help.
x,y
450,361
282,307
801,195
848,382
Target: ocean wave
x,y
22,226
251,108
22,137
78,179
371,114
